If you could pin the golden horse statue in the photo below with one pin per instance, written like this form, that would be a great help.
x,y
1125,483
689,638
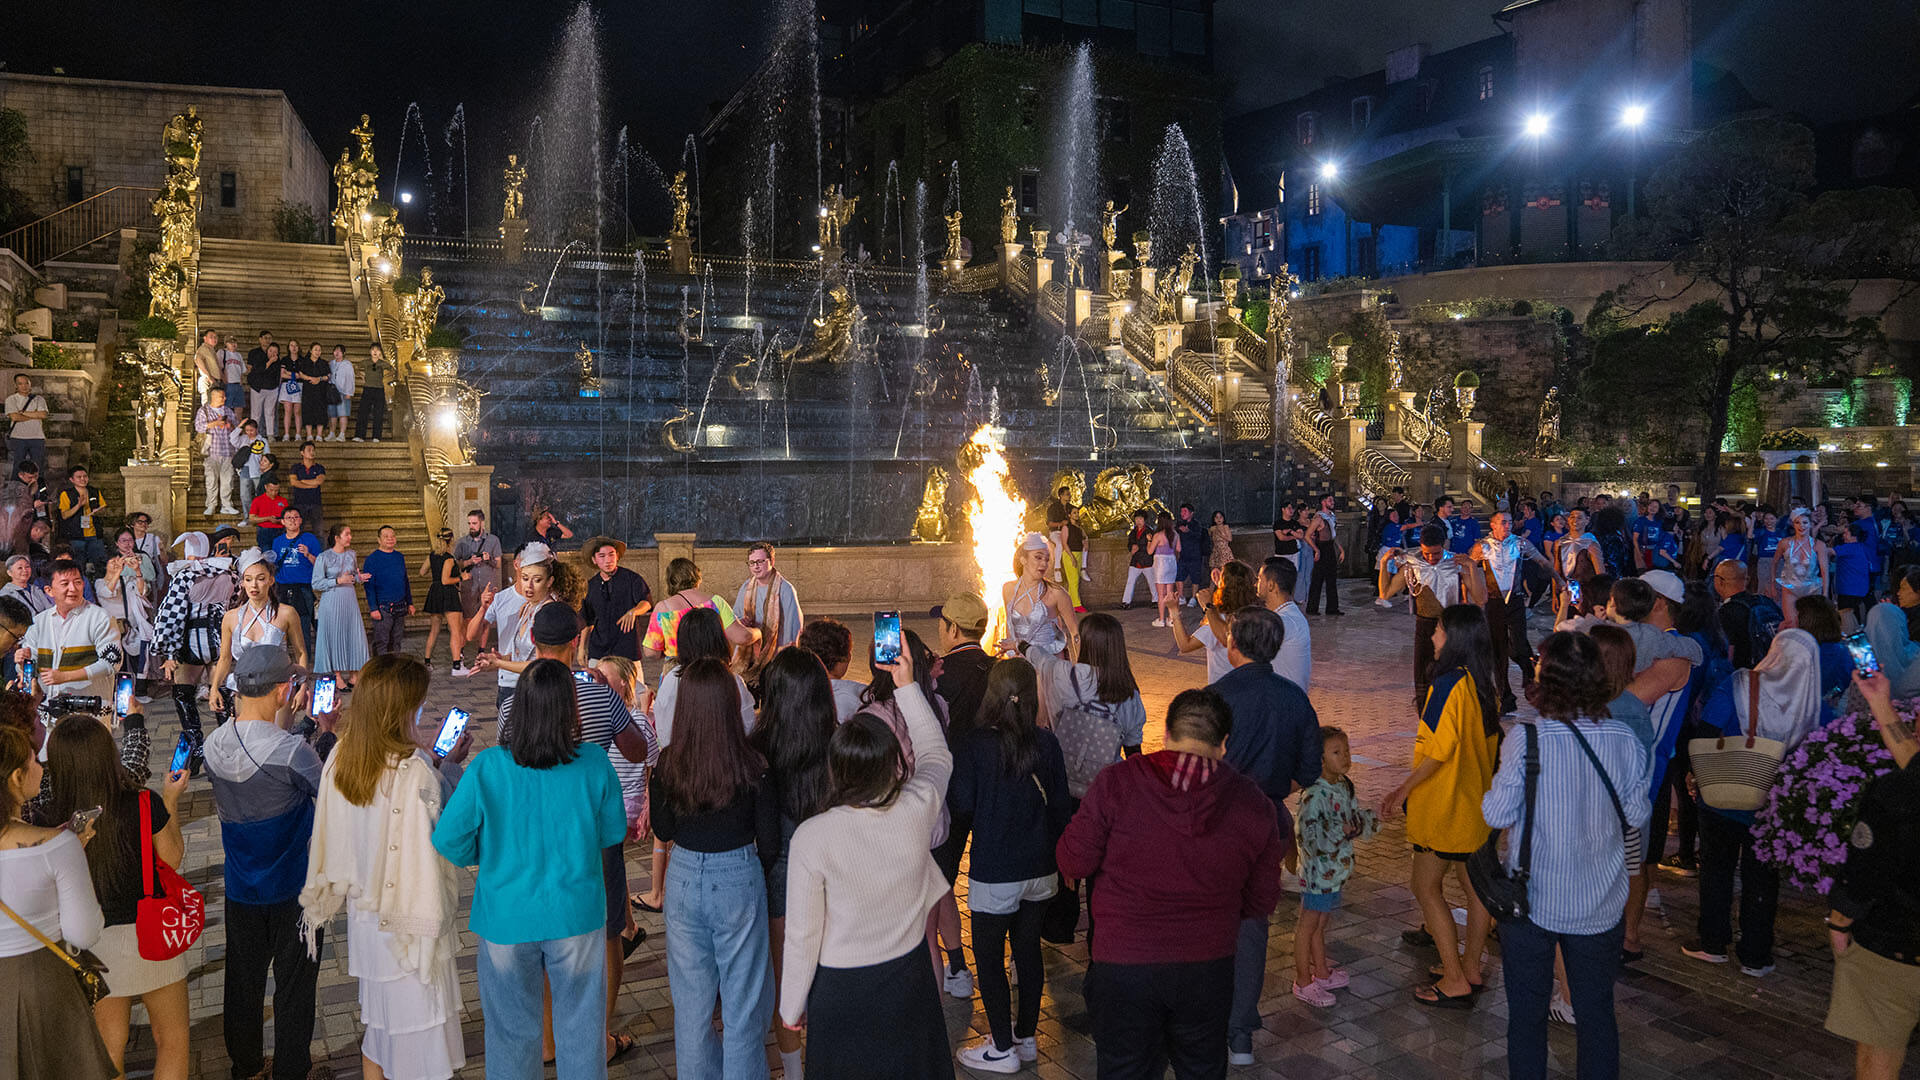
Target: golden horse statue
x,y
930,524
1117,492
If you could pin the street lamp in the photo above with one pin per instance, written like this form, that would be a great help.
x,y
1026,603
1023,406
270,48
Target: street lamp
x,y
1329,170
1537,124
1633,115
406,197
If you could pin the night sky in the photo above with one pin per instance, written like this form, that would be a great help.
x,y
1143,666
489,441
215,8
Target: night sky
x,y
669,61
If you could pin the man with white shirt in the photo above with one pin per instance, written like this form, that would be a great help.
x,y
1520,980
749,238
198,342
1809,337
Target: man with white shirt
x,y
27,439
73,642
1275,586
1501,553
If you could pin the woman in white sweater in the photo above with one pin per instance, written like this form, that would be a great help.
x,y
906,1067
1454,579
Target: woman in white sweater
x,y
860,882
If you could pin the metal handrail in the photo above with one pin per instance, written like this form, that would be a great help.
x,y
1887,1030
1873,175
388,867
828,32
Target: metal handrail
x,y
1379,474
73,227
1312,431
1487,480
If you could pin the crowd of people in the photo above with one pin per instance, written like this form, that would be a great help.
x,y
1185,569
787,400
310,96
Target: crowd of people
x,y
806,832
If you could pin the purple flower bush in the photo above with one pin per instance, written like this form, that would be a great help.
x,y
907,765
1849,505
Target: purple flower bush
x,y
1810,813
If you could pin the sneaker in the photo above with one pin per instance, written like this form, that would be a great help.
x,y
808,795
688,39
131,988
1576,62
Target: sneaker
x,y
144,699
357,438
1701,952
460,671
1680,866
1760,972
1028,1049
1560,1009
1383,602
983,1057
1239,1057
229,509
1336,979
960,984
1159,622
1314,994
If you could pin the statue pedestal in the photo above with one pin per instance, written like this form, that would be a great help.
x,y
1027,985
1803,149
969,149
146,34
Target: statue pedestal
x,y
1399,404
955,269
1009,258
1426,481
469,487
1110,281
1117,312
1349,438
1189,309
679,253
1042,273
513,239
1543,474
149,488
1079,307
1466,446
1144,280
1166,338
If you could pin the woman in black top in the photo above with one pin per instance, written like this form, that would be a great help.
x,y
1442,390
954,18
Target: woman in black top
x,y
87,773
795,727
316,377
711,799
1009,774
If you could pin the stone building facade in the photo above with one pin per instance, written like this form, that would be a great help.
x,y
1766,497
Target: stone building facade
x,y
88,135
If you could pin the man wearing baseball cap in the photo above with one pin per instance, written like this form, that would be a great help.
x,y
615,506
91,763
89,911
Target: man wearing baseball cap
x,y
960,675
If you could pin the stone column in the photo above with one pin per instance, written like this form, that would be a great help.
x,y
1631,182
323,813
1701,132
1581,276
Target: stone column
x,y
1543,474
1349,438
1466,446
513,239
1079,307
673,546
469,488
1143,282
1427,481
149,488
1042,273
1398,406
1009,258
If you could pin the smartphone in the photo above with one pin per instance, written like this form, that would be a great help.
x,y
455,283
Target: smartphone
x,y
1864,660
182,751
1573,593
323,696
886,637
583,677
29,671
123,695
83,818
454,726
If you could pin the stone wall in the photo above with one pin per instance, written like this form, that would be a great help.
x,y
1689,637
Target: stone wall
x,y
112,130
1517,358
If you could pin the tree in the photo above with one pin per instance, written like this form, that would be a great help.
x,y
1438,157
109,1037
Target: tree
x,y
294,223
1733,206
14,152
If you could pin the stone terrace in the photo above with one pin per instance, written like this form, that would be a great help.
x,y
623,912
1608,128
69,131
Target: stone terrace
x,y
1677,1017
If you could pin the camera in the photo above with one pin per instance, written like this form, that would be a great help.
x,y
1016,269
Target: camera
x,y
72,703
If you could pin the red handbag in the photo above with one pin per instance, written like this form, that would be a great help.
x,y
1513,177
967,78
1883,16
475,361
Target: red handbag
x,y
171,912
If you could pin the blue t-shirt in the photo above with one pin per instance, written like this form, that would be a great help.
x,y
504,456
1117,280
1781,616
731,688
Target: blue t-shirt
x,y
1647,530
1534,530
1551,538
1462,533
1666,552
1852,568
1733,547
1868,531
1390,534
389,584
1765,543
536,836
295,568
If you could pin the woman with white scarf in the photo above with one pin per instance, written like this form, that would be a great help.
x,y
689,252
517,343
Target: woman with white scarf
x,y
372,853
1790,707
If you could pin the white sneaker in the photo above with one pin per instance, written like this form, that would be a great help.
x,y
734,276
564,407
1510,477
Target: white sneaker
x,y
1028,1049
1756,972
1313,994
460,671
982,1057
1159,622
1560,1009
357,438
960,984
229,509
1239,1057
1383,602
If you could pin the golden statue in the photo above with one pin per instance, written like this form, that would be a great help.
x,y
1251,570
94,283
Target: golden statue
x,y
954,253
525,299
467,410
1395,365
167,284
387,235
930,524
589,379
364,133
1110,225
1009,218
672,433
159,384
1076,277
1073,480
834,217
178,235
427,301
677,191
831,338
345,214
1546,437
183,130
1117,492
1039,234
514,176
1183,277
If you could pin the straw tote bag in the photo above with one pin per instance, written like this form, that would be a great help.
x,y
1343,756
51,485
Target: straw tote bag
x,y
1738,775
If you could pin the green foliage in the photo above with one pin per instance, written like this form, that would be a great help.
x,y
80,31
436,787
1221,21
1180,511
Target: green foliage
x,y
153,326
111,443
1744,420
135,296
294,223
1328,286
50,356
1522,307
1466,379
1646,381
1254,316
446,337
380,208
406,285
15,151
1339,338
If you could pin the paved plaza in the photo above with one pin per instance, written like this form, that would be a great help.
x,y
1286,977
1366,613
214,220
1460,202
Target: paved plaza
x,y
1678,1017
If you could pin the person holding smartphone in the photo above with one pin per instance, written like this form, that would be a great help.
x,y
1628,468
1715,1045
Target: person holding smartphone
x,y
73,643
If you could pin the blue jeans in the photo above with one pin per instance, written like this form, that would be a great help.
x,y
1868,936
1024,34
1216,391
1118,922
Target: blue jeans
x,y
717,947
1249,978
1593,960
510,992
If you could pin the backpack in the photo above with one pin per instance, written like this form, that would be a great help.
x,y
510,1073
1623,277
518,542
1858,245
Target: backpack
x,y
1089,734
1763,622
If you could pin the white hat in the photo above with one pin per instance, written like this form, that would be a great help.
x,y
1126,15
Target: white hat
x,y
1035,542
195,542
253,555
534,553
1666,583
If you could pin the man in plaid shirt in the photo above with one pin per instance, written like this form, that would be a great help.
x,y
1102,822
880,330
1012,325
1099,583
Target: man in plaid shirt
x,y
218,423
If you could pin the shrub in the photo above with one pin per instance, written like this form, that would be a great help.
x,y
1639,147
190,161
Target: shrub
x,y
1339,339
446,337
1522,307
294,223
406,285
1466,379
153,326
52,357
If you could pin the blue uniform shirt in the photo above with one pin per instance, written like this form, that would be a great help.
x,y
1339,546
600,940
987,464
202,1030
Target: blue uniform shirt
x,y
295,568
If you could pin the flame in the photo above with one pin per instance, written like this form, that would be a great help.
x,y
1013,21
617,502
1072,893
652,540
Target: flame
x,y
998,517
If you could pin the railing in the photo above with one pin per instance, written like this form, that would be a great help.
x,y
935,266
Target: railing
x,y
1379,475
1426,437
1251,348
1053,303
1190,376
1020,280
1376,418
1136,336
1487,481
1312,432
983,278
71,228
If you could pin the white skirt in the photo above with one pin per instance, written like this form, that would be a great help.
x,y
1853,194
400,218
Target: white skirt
x,y
413,1027
1166,569
128,973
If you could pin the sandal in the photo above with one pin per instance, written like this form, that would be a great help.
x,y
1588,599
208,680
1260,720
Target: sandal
x,y
636,901
1439,972
623,1044
1443,1000
628,944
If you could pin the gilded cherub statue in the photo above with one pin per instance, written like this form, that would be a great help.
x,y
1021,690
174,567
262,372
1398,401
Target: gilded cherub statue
x,y
677,191
1009,218
834,217
514,176
167,284
427,301
930,523
1110,225
589,377
1183,277
832,335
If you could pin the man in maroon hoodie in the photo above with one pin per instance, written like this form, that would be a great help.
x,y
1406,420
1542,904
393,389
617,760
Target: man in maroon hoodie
x,y
1185,847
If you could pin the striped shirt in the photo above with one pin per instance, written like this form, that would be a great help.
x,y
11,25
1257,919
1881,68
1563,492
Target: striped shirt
x,y
1579,868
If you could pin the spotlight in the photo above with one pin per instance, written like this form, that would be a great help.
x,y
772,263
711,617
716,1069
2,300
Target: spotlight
x,y
1537,124
447,416
406,196
1329,170
1633,115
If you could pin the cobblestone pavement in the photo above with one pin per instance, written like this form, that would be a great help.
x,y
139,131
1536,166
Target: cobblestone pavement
x,y
1678,1017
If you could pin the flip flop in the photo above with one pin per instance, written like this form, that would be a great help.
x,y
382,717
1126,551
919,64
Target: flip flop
x,y
1478,987
1631,956
1442,1000
623,1044
634,899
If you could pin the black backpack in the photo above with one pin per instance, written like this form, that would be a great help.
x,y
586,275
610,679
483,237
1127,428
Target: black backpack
x,y
1763,622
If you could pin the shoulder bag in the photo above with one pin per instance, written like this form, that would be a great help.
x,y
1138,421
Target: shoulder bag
x,y
171,913
87,968
1504,892
1738,777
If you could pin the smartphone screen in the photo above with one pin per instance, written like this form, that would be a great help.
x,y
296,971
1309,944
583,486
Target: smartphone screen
x,y
1573,593
29,672
123,695
1864,660
886,637
454,726
182,751
323,695
583,677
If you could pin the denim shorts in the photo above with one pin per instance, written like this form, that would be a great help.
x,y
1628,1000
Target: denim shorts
x,y
337,410
1320,901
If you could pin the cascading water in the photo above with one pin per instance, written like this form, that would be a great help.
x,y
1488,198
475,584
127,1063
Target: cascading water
x,y
571,186
459,124
1074,165
413,123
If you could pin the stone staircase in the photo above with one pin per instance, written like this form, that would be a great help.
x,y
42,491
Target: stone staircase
x,y
305,292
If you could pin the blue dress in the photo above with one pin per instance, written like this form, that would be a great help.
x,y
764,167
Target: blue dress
x,y
340,638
